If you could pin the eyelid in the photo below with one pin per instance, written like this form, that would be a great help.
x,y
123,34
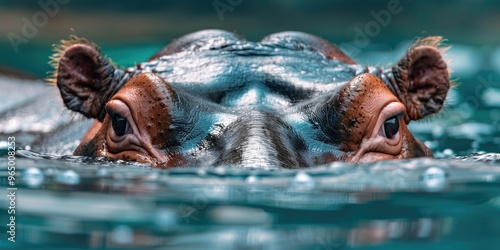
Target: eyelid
x,y
117,107
393,109
398,116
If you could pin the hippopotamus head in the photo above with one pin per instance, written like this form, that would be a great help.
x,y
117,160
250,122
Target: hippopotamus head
x,y
212,98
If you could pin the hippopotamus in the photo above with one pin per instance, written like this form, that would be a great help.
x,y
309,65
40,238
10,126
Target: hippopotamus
x,y
212,98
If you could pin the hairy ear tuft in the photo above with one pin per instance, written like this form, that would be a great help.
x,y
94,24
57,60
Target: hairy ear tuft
x,y
59,50
85,78
421,78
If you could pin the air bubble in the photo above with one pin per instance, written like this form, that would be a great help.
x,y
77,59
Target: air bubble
x,y
4,145
165,218
50,171
220,171
68,177
102,172
122,235
201,172
252,179
303,181
448,152
33,177
434,179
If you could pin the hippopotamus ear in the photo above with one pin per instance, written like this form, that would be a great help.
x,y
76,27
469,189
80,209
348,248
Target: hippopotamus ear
x,y
421,78
85,78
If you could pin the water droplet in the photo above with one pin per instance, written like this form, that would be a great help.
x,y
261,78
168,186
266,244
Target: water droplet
x,y
434,179
448,152
303,181
165,218
68,177
337,167
220,171
122,234
33,177
50,171
201,172
252,179
102,172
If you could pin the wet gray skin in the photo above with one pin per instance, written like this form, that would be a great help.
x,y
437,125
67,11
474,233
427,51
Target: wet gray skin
x,y
211,98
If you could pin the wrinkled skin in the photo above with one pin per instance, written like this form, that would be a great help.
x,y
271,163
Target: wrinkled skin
x,y
212,98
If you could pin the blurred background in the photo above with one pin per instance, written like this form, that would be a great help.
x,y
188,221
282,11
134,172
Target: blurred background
x,y
372,32
419,204
129,30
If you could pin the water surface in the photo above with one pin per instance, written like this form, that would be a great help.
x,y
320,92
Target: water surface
x,y
82,202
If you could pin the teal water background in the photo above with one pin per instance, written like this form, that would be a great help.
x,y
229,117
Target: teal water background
x,y
70,202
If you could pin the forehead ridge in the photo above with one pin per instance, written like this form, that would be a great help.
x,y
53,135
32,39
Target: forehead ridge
x,y
230,75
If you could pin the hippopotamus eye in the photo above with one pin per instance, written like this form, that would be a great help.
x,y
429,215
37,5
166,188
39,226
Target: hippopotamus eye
x,y
391,127
119,124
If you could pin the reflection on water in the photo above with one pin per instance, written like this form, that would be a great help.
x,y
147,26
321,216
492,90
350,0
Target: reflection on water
x,y
93,203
